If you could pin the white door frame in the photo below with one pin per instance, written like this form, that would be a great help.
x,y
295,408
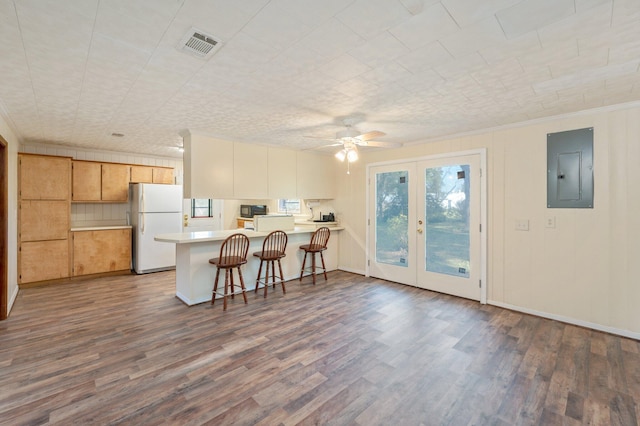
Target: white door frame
x,y
482,152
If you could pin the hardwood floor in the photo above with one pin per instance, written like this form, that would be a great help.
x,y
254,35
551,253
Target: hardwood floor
x,y
353,350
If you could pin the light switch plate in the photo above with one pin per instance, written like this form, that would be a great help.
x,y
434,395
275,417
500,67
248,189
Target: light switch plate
x,y
522,224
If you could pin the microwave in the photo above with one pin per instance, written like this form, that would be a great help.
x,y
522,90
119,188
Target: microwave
x,y
250,211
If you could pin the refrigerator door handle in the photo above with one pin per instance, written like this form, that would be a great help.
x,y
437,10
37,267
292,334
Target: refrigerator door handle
x,y
142,223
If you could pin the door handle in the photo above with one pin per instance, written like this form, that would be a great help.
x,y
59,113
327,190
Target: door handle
x,y
419,230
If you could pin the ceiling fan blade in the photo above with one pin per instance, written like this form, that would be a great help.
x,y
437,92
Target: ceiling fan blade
x,y
371,135
382,144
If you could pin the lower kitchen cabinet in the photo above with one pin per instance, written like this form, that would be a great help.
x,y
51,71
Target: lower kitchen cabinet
x,y
43,260
99,251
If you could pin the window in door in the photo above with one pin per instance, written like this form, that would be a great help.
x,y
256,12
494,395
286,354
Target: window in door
x,y
201,207
391,217
447,197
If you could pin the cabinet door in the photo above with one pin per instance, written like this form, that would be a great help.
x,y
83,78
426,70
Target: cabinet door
x,y
43,260
250,171
44,178
96,252
141,174
162,175
87,181
43,220
115,182
282,173
316,177
208,167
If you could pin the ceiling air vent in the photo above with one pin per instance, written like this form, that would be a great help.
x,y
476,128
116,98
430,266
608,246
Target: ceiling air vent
x,y
199,43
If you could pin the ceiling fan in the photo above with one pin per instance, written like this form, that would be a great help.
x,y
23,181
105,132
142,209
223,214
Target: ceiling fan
x,y
350,139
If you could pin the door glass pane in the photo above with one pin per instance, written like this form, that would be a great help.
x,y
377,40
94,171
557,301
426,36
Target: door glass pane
x,y
447,220
392,226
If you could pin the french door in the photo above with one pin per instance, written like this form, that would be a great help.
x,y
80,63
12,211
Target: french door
x,y
425,226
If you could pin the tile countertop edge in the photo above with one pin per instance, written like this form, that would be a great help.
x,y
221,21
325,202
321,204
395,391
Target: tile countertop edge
x,y
99,228
204,236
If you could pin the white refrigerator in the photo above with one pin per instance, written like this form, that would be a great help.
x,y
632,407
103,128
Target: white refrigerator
x,y
155,209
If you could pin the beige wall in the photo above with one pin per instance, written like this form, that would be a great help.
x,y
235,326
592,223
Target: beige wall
x,y
583,269
12,211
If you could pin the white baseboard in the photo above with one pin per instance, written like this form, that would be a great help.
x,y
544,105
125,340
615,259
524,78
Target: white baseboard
x,y
353,271
568,320
12,299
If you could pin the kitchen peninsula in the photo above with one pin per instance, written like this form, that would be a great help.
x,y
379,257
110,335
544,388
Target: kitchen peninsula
x,y
195,275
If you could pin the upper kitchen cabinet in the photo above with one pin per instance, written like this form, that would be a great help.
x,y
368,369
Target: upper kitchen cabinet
x,y
151,174
316,178
208,167
87,181
44,177
115,182
96,182
163,175
281,174
249,171
141,174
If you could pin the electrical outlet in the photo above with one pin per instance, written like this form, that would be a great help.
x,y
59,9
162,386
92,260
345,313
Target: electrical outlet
x,y
522,224
550,222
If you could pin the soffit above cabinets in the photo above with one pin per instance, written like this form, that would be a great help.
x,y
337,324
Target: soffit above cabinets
x,y
75,72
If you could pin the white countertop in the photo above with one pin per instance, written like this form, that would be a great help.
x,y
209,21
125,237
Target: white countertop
x,y
204,236
99,228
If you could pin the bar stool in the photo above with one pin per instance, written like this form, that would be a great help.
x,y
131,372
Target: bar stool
x,y
273,249
318,244
233,254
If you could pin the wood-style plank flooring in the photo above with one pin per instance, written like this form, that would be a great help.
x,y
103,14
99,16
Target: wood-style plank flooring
x,y
353,350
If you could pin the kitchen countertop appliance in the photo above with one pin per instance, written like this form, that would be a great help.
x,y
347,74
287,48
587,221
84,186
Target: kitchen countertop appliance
x,y
155,209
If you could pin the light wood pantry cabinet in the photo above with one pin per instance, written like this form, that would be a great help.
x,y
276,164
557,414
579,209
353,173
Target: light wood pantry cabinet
x,y
43,260
100,251
100,182
44,212
151,174
44,177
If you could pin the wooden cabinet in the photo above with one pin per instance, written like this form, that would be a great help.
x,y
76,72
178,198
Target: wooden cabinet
x,y
115,182
141,174
43,177
163,175
43,220
43,260
43,217
101,251
241,222
151,174
87,181
98,182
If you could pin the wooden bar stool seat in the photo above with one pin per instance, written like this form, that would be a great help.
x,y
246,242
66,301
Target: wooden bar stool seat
x,y
318,244
233,254
273,249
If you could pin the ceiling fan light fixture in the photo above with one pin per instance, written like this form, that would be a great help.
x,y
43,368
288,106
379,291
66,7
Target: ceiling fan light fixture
x,y
341,155
352,155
